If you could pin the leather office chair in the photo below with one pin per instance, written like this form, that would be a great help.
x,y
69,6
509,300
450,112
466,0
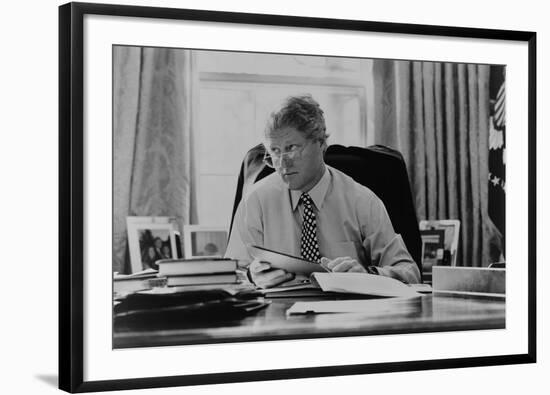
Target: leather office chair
x,y
379,168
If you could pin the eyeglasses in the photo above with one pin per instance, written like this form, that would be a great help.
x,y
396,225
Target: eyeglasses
x,y
274,159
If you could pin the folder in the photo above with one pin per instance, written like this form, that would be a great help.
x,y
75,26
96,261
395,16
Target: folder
x,y
362,283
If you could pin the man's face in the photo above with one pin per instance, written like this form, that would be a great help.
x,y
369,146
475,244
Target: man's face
x,y
306,168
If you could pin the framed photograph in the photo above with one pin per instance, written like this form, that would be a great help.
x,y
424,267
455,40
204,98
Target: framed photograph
x,y
451,233
151,239
159,111
204,241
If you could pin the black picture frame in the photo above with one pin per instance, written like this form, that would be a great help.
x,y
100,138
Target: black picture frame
x,y
71,194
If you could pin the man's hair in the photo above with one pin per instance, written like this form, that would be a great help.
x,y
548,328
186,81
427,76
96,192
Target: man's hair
x,y
302,113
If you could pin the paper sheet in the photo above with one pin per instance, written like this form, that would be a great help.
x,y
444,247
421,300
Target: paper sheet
x,y
143,273
362,283
372,306
286,262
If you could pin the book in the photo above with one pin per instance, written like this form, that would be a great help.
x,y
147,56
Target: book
x,y
362,283
223,278
344,285
180,267
289,263
306,290
378,288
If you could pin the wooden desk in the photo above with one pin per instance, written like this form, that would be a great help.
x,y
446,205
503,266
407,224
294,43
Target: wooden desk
x,y
428,313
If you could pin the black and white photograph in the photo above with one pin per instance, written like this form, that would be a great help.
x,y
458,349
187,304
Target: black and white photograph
x,y
440,241
153,246
358,195
149,239
337,161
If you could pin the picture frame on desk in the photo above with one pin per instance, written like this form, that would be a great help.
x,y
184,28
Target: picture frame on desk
x,y
151,239
451,233
439,244
202,241
87,197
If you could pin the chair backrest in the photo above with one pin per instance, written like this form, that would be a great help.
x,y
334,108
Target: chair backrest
x,y
379,168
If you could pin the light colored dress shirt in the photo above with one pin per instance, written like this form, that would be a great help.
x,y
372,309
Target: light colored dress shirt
x,y
351,221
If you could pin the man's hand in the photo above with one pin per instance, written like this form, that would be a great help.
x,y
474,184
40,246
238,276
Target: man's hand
x,y
265,277
343,264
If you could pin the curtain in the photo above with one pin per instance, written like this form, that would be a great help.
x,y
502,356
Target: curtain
x,y
437,115
153,166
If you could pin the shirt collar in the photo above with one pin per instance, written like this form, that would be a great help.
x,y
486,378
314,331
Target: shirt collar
x,y
317,193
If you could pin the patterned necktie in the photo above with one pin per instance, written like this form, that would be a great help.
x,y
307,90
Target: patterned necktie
x,y
309,246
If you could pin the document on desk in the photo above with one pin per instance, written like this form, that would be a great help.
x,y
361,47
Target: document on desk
x,y
289,263
362,283
371,306
358,283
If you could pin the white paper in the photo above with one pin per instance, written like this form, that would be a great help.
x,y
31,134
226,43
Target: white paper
x,y
362,283
143,273
372,306
286,262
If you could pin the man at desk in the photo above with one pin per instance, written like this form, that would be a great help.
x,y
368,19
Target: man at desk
x,y
309,209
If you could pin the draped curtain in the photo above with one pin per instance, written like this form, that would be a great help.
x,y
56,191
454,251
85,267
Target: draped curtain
x,y
437,115
153,166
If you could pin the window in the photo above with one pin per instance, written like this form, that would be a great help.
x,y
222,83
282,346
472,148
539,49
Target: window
x,y
238,91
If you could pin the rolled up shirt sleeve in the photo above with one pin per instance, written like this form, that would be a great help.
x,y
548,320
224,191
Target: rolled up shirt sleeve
x,y
247,229
385,248
351,221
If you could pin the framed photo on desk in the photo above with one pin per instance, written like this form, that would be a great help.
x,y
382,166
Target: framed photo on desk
x,y
451,232
204,241
161,49
151,239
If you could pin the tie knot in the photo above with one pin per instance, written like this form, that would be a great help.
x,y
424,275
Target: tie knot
x,y
305,199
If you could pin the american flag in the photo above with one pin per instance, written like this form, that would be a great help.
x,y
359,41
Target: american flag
x,y
500,108
497,147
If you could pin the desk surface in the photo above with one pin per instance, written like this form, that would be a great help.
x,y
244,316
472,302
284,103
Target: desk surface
x,y
428,313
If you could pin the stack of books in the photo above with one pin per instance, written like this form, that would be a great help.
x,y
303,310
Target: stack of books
x,y
199,271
